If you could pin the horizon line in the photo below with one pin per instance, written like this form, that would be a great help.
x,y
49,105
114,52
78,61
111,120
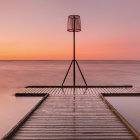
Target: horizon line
x,y
70,60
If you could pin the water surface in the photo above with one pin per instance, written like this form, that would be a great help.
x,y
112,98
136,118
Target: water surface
x,y
18,74
129,108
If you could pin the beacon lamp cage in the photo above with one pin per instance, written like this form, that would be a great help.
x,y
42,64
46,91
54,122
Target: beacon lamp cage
x,y
74,23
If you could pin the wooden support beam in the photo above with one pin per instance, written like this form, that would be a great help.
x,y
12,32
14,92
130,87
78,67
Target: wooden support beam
x,y
95,86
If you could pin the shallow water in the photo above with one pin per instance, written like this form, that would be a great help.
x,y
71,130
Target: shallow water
x,y
129,108
12,111
18,74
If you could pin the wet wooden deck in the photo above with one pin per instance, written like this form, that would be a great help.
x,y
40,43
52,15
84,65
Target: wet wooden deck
x,y
77,114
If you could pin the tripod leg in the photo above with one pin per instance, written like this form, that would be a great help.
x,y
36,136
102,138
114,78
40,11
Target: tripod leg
x,y
67,73
81,72
85,90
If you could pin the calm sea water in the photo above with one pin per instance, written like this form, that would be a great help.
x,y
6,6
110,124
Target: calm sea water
x,y
18,74
129,108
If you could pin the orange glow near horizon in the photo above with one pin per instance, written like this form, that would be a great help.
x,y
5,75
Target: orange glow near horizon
x,y
36,30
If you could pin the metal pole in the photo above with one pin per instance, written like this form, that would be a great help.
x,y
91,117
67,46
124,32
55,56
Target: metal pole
x,y
81,72
74,54
74,60
67,73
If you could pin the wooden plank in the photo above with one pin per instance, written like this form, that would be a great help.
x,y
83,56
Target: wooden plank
x,y
30,94
95,86
74,113
69,91
121,94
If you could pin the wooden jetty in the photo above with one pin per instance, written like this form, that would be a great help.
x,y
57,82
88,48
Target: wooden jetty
x,y
73,114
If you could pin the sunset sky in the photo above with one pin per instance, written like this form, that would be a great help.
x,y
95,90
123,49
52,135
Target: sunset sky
x,y
37,29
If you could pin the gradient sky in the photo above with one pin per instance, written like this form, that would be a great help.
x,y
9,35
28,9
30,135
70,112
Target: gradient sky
x,y
36,29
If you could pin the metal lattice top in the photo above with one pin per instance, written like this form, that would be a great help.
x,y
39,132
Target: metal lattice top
x,y
74,23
